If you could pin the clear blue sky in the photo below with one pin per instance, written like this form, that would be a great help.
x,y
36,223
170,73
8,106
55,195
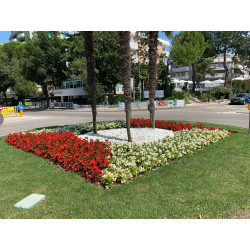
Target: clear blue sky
x,y
5,35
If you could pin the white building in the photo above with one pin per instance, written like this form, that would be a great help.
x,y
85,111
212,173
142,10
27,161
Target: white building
x,y
69,90
180,72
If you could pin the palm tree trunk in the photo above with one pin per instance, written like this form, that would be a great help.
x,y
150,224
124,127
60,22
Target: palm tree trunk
x,y
90,59
193,76
153,42
124,38
225,67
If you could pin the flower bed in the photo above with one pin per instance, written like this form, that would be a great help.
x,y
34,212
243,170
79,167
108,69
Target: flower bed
x,y
127,161
147,123
110,162
86,158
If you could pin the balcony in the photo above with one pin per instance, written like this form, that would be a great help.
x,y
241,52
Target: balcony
x,y
20,36
186,77
181,69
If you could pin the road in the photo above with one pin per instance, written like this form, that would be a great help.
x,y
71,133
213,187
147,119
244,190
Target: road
x,y
220,113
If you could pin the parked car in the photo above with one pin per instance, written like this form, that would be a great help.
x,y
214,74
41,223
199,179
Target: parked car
x,y
240,98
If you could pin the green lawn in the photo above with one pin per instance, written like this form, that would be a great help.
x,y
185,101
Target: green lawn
x,y
211,183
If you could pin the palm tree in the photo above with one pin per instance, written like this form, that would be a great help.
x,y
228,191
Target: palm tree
x,y
124,38
90,59
153,42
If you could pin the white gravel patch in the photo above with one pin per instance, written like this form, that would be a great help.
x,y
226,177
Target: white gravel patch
x,y
139,135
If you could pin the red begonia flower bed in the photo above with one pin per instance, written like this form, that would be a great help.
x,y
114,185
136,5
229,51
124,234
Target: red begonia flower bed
x,y
86,158
147,123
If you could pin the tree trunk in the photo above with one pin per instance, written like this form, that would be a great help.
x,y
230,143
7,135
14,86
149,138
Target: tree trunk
x,y
167,69
90,59
153,42
5,98
193,76
124,38
48,97
225,67
142,90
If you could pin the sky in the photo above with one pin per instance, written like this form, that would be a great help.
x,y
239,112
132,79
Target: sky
x,y
5,35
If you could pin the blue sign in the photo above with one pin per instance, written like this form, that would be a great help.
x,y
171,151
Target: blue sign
x,y
122,105
20,107
248,100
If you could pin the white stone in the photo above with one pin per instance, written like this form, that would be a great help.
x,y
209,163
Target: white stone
x,y
139,135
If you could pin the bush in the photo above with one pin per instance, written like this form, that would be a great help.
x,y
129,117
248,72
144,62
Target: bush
x,y
241,86
180,95
118,98
218,92
207,97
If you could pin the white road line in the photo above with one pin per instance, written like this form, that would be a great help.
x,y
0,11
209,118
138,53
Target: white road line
x,y
22,119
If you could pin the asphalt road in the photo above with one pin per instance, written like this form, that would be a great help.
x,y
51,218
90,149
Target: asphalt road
x,y
220,113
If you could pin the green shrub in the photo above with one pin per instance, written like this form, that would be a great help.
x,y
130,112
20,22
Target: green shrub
x,y
118,98
219,92
180,95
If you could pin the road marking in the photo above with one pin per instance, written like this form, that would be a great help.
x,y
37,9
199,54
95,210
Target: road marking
x,y
13,119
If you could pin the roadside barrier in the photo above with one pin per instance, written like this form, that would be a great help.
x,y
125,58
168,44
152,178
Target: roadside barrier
x,y
9,111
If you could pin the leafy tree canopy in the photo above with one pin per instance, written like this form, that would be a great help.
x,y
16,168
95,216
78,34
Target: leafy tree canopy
x,y
188,47
6,72
107,59
44,60
75,55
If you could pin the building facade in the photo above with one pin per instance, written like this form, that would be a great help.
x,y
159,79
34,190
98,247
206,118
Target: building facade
x,y
185,72
22,36
70,91
135,47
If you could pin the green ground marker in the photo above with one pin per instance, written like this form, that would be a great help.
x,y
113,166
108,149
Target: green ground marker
x,y
30,201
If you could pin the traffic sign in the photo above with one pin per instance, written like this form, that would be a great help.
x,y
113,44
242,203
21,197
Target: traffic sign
x,y
248,100
1,108
20,107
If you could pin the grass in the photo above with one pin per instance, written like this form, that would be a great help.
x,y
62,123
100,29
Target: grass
x,y
211,183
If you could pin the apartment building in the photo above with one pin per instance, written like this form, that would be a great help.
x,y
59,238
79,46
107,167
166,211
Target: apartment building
x,y
162,47
238,70
22,36
179,72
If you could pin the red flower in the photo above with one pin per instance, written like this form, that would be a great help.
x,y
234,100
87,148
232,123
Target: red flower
x,y
67,150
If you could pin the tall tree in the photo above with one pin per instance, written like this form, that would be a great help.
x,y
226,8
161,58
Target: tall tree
x,y
75,55
242,47
107,59
90,57
153,42
187,48
6,73
169,35
15,52
203,68
223,42
44,61
124,38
